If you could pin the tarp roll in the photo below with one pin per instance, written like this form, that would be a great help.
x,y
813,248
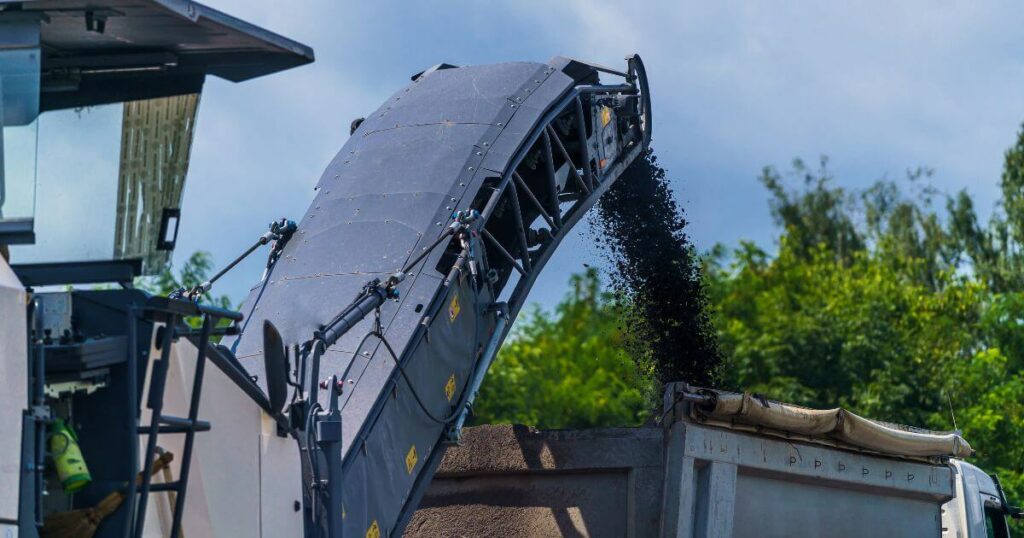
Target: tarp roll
x,y
839,424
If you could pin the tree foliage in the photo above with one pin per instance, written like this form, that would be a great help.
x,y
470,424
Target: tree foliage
x,y
567,368
894,301
196,270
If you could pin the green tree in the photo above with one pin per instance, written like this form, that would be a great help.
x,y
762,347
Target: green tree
x,y
887,303
567,368
196,270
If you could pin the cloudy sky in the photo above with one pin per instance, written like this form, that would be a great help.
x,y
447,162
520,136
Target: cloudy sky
x,y
879,87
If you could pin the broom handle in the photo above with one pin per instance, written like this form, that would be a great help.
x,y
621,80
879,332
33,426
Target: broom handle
x,y
117,496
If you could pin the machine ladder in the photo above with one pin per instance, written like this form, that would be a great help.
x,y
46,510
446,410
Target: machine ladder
x,y
172,313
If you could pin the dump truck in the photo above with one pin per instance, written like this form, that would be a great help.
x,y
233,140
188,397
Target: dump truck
x,y
720,464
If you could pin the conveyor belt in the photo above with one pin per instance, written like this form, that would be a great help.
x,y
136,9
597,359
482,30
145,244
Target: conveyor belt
x,y
529,146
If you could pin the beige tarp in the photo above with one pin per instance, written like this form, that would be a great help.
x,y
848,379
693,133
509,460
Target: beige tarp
x,y
838,424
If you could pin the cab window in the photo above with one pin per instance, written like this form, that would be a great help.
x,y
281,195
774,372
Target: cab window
x,y
995,523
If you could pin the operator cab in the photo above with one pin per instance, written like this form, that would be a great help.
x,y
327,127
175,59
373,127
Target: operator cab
x,y
98,107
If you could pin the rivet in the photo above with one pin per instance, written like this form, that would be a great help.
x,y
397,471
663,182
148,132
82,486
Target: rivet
x,y
470,168
438,223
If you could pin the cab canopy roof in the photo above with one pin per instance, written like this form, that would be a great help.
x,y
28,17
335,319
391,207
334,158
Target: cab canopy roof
x,y
104,51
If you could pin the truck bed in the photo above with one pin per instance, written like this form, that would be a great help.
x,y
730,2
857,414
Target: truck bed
x,y
721,483
680,480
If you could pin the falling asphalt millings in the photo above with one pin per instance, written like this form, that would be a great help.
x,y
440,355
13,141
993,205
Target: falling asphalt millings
x,y
656,275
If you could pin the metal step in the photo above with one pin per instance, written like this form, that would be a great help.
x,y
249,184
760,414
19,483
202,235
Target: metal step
x,y
176,425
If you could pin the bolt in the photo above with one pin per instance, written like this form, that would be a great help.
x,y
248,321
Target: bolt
x,y
325,384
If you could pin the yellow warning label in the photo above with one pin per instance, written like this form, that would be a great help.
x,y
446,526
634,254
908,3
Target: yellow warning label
x,y
449,388
606,115
454,308
410,459
373,531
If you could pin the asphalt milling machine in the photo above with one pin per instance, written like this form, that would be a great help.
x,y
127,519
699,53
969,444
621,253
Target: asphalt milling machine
x,y
356,357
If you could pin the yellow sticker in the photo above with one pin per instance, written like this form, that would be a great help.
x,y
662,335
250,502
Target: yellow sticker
x,y
454,308
410,459
606,115
449,387
373,531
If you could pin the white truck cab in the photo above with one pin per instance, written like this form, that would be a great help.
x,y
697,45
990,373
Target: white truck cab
x,y
979,508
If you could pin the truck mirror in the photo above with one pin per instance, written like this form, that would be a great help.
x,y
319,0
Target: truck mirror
x,y
275,363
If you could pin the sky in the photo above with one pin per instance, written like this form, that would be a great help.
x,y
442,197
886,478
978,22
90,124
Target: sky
x,y
878,87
